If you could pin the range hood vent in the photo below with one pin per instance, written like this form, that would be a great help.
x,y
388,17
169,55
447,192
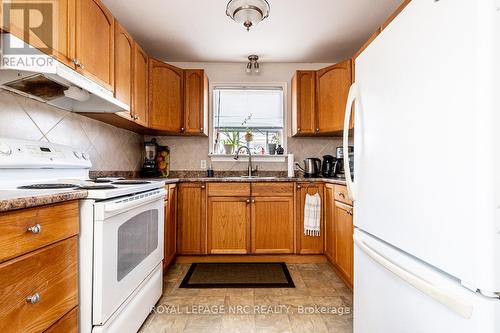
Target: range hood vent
x,y
39,86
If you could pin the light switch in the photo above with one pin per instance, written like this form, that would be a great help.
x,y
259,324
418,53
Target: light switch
x,y
203,164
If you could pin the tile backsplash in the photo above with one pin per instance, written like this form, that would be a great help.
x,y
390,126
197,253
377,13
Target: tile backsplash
x,y
110,148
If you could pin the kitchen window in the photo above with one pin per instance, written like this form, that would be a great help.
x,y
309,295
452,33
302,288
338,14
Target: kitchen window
x,y
251,116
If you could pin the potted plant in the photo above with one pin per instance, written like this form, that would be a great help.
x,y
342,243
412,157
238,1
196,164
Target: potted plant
x,y
231,142
249,136
271,146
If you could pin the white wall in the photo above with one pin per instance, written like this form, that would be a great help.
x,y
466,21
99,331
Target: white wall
x,y
186,153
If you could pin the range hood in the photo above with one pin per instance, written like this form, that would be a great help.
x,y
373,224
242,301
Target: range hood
x,y
41,77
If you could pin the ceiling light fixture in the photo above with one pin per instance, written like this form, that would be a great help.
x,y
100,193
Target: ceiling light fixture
x,y
253,64
248,12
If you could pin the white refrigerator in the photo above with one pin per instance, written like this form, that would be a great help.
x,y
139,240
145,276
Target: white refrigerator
x,y
426,186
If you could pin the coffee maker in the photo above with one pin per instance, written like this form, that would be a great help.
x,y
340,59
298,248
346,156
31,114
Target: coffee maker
x,y
328,166
149,166
340,165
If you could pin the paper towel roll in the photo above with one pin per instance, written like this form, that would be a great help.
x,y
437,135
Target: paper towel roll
x,y
291,166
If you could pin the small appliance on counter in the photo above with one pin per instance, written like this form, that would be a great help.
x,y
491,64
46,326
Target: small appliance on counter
x,y
149,167
340,167
328,166
163,161
312,167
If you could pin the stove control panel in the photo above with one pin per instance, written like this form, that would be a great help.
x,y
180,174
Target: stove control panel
x,y
37,154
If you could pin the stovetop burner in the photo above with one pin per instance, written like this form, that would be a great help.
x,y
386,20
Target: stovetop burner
x,y
97,187
48,186
130,182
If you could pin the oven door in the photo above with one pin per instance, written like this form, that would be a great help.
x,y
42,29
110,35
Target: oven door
x,y
128,245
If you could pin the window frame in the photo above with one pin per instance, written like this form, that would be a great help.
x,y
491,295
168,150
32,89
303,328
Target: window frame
x,y
236,85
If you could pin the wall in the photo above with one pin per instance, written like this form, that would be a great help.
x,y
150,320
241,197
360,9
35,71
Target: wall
x,y
110,148
186,153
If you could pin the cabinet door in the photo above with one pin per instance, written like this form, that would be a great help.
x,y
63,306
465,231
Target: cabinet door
x,y
195,102
344,244
332,89
140,106
228,225
124,55
57,39
95,42
308,244
304,103
329,209
170,229
191,212
165,97
272,225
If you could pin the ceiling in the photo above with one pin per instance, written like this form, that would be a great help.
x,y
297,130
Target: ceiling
x,y
295,31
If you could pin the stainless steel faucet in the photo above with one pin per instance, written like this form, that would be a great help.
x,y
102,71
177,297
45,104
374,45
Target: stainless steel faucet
x,y
249,168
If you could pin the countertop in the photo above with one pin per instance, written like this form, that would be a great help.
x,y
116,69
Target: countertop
x,y
18,199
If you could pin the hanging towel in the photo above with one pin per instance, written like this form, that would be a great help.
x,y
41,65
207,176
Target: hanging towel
x,y
312,215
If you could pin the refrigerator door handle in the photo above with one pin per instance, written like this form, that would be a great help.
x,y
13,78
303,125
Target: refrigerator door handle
x,y
351,98
445,297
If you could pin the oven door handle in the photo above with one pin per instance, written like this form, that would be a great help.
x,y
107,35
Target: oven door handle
x,y
114,207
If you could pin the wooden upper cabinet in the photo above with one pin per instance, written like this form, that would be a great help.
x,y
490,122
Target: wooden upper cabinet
x,y
333,85
304,103
124,55
228,225
191,221
165,97
344,244
59,41
308,244
95,42
195,102
140,105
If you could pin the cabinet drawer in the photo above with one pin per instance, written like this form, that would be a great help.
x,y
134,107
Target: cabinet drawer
x,y
55,222
229,189
67,324
272,189
52,273
340,194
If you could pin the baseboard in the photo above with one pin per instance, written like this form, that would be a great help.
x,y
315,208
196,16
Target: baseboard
x,y
341,275
287,258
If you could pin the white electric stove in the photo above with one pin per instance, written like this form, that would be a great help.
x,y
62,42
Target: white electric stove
x,y
121,230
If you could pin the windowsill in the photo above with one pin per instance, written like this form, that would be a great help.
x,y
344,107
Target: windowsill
x,y
244,158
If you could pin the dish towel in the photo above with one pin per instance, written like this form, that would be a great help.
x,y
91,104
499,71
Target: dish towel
x,y
312,215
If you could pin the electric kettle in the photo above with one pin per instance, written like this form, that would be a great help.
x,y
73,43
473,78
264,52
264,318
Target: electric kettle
x,y
312,167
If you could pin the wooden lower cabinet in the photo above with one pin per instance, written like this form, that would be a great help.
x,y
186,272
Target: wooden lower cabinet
x,y
329,215
308,244
272,225
39,288
344,244
67,324
191,220
228,225
170,227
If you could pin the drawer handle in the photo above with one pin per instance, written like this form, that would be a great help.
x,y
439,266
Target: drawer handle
x,y
341,195
33,299
36,229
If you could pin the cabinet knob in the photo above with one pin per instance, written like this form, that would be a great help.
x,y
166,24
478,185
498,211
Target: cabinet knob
x,y
248,200
182,129
298,129
298,186
253,200
36,229
317,130
201,129
341,195
33,299
136,117
202,186
75,61
82,66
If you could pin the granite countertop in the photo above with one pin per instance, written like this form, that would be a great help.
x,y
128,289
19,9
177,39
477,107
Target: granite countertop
x,y
18,199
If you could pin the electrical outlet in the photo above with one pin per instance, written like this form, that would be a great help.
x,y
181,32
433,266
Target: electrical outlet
x,y
203,164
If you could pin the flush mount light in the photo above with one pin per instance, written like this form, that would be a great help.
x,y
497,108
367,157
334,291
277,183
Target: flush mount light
x,y
248,12
253,64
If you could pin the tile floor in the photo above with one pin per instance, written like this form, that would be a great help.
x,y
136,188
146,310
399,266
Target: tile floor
x,y
320,302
